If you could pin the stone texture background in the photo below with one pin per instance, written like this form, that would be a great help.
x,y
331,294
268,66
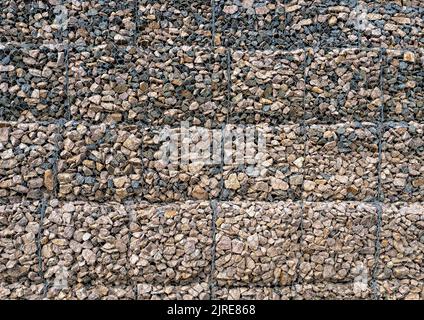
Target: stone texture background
x,y
336,87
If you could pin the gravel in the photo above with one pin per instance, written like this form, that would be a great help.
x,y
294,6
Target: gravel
x,y
168,176
104,83
247,24
21,291
406,289
91,92
164,251
97,292
330,291
326,23
86,243
162,86
393,26
186,83
92,22
35,22
253,293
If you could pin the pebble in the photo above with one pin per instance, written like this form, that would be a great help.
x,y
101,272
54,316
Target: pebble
x,y
409,56
49,180
230,9
309,185
232,182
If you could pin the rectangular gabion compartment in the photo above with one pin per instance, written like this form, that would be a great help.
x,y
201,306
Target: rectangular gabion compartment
x,y
267,87
401,289
176,23
96,22
100,162
403,85
105,83
98,291
392,26
185,83
32,82
341,162
247,25
180,164
28,152
192,291
257,243
19,263
402,250
332,291
323,23
32,22
171,244
338,242
402,167
343,85
263,163
85,244
253,293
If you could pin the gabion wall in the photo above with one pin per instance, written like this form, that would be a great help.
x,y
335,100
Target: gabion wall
x,y
336,87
